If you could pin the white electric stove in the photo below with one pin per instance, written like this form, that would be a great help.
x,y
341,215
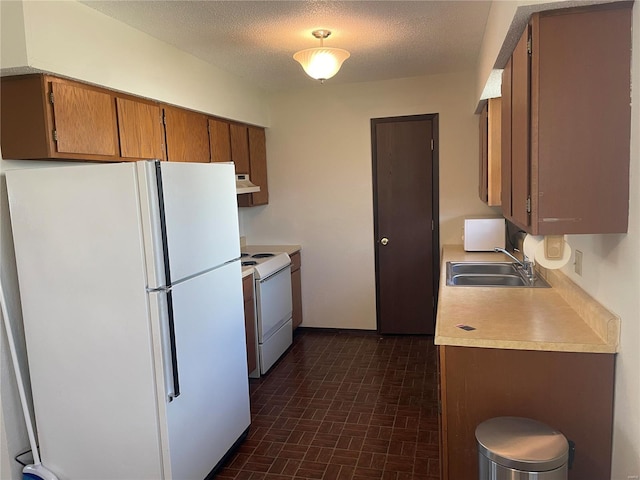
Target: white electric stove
x,y
272,283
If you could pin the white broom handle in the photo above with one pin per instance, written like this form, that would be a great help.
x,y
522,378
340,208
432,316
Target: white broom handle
x,y
16,369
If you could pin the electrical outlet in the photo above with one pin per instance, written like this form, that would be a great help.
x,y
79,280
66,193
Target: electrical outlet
x,y
578,262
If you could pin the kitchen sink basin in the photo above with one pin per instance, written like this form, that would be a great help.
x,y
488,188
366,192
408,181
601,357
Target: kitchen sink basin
x,y
489,274
483,268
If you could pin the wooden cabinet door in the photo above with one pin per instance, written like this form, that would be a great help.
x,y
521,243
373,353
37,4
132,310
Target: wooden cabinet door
x,y
84,119
258,165
490,153
505,141
220,140
556,388
296,289
581,120
187,135
250,323
140,129
240,148
257,169
494,152
483,183
565,143
520,133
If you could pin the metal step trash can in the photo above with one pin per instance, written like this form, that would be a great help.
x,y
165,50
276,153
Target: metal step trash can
x,y
515,448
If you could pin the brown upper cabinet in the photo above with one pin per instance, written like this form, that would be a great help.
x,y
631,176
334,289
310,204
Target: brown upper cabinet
x,y
219,140
566,122
257,144
246,146
48,117
240,147
490,164
187,135
140,129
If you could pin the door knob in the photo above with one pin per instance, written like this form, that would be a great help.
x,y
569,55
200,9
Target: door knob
x,y
384,241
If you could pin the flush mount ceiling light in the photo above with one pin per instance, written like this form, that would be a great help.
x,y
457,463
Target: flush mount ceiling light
x,y
321,62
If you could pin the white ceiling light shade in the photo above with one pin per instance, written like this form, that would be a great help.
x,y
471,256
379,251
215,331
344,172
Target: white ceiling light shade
x,y
321,62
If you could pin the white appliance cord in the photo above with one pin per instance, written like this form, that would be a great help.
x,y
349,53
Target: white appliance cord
x,y
16,369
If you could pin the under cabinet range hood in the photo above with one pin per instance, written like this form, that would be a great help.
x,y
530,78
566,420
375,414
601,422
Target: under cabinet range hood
x,y
244,185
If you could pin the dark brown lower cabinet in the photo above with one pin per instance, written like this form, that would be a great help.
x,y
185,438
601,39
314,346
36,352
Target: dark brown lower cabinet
x,y
249,323
296,289
571,392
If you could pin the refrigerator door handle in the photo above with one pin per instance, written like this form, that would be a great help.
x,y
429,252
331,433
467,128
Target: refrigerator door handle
x,y
160,289
168,342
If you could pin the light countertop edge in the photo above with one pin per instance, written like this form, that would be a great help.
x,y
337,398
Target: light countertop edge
x,y
288,249
563,318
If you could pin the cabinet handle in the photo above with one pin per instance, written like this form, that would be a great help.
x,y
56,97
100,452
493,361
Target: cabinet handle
x,y
384,241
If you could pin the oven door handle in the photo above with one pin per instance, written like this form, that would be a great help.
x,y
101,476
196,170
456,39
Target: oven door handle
x,y
266,279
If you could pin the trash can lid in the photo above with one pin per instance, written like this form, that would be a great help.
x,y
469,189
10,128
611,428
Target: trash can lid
x,y
522,444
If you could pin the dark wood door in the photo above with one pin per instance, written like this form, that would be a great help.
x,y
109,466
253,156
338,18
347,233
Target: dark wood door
x,y
405,211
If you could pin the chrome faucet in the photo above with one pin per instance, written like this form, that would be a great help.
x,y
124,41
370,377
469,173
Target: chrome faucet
x,y
525,263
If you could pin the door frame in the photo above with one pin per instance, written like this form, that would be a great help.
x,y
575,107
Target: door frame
x,y
435,199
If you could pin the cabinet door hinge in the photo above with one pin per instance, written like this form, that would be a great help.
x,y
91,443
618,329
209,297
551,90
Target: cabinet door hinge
x,y
529,48
529,204
432,144
51,97
55,135
433,225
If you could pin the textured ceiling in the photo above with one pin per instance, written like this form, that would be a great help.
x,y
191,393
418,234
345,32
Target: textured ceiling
x,y
257,39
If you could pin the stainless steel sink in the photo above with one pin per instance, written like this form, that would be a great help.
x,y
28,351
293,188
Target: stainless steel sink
x,y
490,274
483,268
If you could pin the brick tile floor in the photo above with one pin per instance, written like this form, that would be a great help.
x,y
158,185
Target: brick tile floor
x,y
344,406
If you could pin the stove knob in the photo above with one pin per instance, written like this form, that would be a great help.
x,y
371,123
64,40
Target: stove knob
x,y
384,241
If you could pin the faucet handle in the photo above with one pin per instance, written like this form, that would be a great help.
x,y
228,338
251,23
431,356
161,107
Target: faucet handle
x,y
525,259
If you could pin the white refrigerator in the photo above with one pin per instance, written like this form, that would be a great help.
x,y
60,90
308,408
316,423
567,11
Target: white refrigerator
x,y
131,292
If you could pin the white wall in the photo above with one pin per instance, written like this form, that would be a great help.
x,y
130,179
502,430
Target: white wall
x,y
13,53
611,266
320,183
70,39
